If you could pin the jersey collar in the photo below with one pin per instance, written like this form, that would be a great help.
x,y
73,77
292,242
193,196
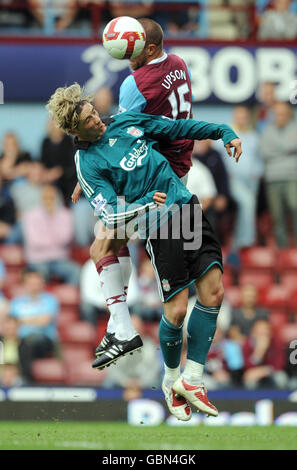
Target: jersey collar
x,y
160,59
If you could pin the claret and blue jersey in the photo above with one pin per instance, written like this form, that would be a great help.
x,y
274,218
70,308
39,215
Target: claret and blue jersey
x,y
163,88
126,162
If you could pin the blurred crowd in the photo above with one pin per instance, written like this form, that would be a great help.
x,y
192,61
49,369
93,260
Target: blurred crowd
x,y
52,311
206,19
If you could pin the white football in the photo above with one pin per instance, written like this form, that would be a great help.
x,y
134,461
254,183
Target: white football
x,y
123,38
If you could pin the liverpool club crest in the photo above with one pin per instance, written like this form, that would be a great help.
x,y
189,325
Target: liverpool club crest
x,y
166,285
134,131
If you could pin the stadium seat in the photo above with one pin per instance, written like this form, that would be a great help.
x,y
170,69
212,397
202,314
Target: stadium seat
x,y
12,255
79,332
278,319
262,258
67,316
261,280
75,354
232,294
228,278
287,260
289,280
265,229
12,278
14,290
292,301
82,373
151,329
48,371
276,297
289,333
67,294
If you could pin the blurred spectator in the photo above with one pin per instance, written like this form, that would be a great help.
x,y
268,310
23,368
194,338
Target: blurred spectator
x,y
179,23
242,16
264,358
279,23
244,317
92,300
229,23
58,14
48,231
205,153
267,99
201,183
14,162
279,151
10,375
143,369
84,222
10,342
57,156
244,179
36,312
134,8
14,14
4,303
216,373
7,214
148,306
26,194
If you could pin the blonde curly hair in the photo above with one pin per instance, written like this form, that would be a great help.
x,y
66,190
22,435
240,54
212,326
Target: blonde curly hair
x,y
65,106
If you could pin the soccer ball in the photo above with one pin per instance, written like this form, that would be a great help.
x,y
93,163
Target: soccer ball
x,y
123,38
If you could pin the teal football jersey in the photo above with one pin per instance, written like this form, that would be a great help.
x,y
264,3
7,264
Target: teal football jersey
x,y
126,162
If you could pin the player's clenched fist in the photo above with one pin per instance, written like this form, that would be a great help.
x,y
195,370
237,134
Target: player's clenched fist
x,y
159,198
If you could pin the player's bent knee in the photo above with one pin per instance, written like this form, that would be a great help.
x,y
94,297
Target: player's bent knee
x,y
219,295
213,296
98,250
176,314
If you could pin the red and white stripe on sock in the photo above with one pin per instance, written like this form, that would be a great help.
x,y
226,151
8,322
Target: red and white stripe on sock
x,y
112,284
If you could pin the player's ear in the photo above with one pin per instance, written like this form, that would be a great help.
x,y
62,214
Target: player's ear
x,y
151,49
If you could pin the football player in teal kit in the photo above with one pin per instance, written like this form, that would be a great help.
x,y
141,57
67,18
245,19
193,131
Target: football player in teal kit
x,y
120,157
160,84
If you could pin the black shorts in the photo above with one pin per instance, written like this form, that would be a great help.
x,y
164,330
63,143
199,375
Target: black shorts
x,y
176,267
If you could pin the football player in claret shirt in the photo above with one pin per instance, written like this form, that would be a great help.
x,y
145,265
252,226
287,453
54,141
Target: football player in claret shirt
x,y
160,84
120,157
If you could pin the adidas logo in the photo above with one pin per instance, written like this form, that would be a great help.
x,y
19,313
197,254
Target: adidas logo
x,y
112,142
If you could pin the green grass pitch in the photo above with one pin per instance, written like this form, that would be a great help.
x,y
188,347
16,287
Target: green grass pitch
x,y
121,436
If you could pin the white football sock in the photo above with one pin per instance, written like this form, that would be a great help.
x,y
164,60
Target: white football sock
x,y
112,285
126,269
193,372
171,375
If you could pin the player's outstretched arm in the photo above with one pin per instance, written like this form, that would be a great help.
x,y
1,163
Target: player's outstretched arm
x,y
160,127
